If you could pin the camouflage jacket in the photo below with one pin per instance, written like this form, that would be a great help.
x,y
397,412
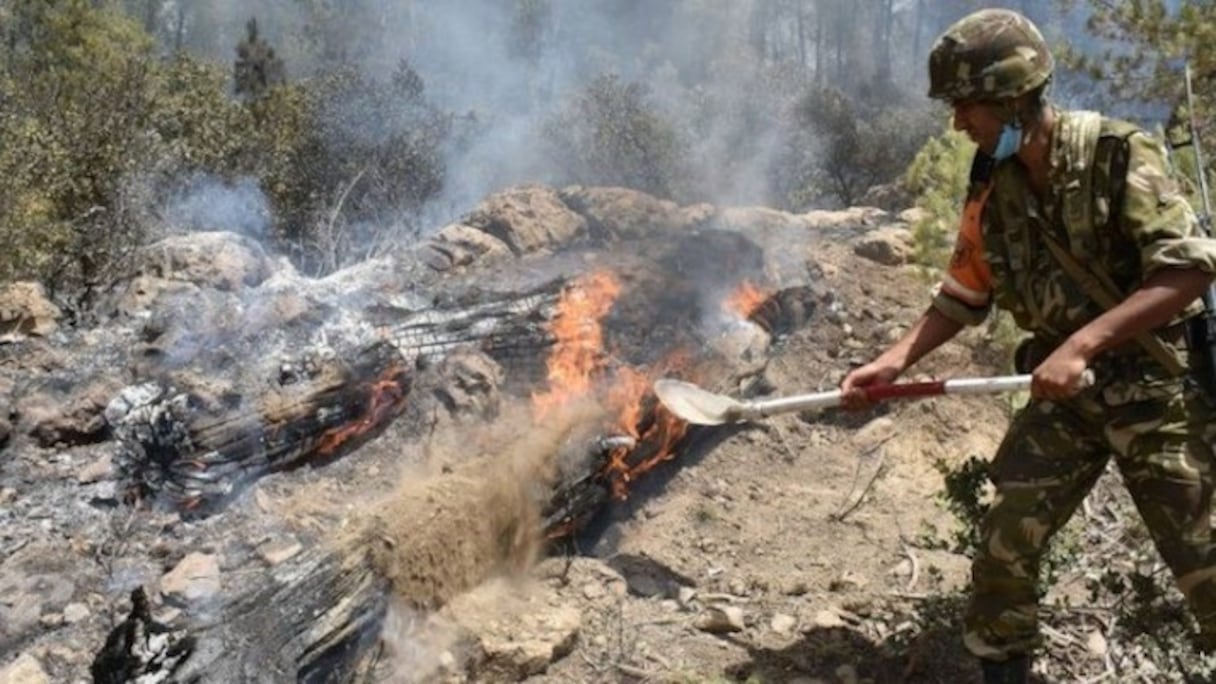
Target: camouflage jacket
x,y
1141,223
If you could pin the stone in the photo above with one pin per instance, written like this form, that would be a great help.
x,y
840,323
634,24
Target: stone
x,y
720,620
195,578
26,311
24,670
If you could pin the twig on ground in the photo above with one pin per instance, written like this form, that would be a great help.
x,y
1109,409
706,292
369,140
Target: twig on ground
x,y
839,516
915,571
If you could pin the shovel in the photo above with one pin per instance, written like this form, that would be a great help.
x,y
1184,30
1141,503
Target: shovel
x,y
702,407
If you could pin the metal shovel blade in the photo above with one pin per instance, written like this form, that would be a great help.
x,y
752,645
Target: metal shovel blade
x,y
695,405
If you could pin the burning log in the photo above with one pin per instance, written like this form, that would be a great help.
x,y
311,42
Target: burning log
x,y
196,452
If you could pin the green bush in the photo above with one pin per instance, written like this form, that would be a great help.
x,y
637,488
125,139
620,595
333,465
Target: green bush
x,y
611,134
937,178
100,132
841,147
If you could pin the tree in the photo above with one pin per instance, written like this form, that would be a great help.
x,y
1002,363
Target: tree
x,y
610,134
1149,42
257,67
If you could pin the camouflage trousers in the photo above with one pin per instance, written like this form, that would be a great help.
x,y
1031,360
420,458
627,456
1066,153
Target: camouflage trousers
x,y
1160,432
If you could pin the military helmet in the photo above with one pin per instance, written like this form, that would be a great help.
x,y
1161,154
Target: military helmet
x,y
992,54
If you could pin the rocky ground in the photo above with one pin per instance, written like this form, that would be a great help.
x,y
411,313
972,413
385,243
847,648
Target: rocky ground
x,y
806,548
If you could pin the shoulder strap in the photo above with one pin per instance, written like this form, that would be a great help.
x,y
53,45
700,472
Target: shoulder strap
x,y
1099,288
1081,131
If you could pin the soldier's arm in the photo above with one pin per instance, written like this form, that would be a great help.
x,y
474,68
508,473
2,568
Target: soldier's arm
x,y
1177,260
1156,302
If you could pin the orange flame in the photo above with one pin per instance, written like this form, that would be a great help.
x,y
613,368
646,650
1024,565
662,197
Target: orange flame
x,y
578,352
746,299
659,431
386,394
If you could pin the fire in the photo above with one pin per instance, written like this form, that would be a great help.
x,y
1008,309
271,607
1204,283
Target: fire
x,y
659,431
579,366
746,299
578,351
384,396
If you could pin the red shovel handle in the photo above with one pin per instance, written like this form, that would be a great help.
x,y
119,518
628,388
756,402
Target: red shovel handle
x,y
905,389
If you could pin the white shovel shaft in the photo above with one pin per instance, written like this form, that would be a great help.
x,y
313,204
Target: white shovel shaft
x,y
830,399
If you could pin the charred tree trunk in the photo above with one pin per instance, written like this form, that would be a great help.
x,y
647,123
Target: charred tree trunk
x,y
197,452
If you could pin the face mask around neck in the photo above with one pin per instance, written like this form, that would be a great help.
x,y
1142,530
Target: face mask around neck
x,y
1009,142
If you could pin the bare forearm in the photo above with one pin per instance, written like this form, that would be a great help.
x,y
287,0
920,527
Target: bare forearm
x,y
930,331
1157,301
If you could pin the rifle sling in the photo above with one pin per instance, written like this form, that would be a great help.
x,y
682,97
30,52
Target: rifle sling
x,y
1099,287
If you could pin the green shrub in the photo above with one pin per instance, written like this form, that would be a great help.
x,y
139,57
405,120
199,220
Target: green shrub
x,y
611,134
840,147
937,178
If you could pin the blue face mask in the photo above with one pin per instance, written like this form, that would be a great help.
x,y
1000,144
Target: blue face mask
x,y
1009,142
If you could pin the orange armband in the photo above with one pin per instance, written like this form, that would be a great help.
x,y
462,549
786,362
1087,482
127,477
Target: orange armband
x,y
968,278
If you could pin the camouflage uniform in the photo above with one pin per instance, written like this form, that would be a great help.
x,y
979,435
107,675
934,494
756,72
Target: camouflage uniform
x,y
1159,428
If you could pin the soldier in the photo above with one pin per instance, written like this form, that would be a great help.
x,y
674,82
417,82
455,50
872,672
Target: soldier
x,y
1050,186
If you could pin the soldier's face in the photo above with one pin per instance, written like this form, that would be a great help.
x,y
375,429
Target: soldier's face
x,y
981,121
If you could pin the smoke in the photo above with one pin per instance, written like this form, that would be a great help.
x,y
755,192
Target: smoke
x,y
724,75
206,203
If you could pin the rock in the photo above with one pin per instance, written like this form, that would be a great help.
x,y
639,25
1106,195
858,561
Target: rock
x,y
1096,644
888,196
720,620
853,217
514,638
24,670
913,216
24,598
889,246
77,419
220,260
760,218
796,587
26,311
277,551
827,619
621,212
459,245
75,612
527,218
783,624
195,578
100,469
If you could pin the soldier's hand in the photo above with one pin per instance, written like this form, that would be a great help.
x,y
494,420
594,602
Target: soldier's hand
x,y
852,397
1061,375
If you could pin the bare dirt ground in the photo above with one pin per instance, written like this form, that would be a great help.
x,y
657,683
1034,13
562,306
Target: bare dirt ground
x,y
810,525
797,550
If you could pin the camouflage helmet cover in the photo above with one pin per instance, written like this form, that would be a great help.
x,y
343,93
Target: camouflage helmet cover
x,y
992,54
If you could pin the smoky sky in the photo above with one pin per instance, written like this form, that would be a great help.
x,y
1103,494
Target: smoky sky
x,y
502,78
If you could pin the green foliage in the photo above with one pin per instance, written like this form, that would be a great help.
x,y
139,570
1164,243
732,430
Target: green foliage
x,y
370,155
1145,65
937,178
842,147
99,131
611,134
76,94
966,497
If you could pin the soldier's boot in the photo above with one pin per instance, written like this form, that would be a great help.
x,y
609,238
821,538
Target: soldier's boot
x,y
1016,670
